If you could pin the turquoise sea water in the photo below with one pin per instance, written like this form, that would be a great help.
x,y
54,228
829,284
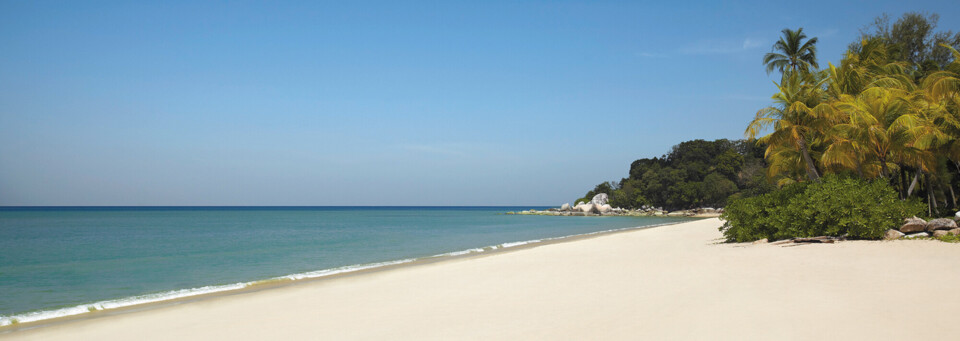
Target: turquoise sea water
x,y
63,261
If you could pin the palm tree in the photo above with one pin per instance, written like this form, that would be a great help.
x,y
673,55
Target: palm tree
x,y
860,67
875,127
791,53
799,116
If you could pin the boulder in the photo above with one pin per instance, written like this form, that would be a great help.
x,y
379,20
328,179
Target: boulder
x,y
588,208
955,232
913,224
941,224
604,208
916,235
957,214
565,207
600,199
940,233
761,241
892,234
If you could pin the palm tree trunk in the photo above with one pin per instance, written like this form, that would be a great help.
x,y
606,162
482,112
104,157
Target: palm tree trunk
x,y
811,168
953,197
903,184
860,169
914,183
884,171
926,184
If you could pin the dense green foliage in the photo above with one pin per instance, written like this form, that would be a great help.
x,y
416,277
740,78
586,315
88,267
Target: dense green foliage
x,y
912,39
695,173
835,206
884,126
890,111
854,147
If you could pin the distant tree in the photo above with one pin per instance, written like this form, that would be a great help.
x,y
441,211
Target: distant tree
x,y
687,176
716,189
913,39
729,163
791,53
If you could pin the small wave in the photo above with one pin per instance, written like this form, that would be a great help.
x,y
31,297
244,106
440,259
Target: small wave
x,y
458,253
342,269
118,303
506,245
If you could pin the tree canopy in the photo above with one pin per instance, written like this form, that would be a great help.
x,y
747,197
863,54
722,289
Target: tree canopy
x,y
694,173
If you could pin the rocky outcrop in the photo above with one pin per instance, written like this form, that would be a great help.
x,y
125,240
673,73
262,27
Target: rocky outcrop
x,y
604,208
941,224
913,224
588,208
940,233
600,199
892,234
565,207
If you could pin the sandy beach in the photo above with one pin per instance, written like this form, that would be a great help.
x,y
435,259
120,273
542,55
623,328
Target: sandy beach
x,y
670,282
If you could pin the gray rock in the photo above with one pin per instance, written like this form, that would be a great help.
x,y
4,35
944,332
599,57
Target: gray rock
x,y
941,224
955,232
588,208
916,235
957,215
600,199
892,234
940,233
604,208
913,224
565,207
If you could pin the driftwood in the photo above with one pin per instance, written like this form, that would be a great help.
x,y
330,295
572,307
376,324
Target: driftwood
x,y
821,239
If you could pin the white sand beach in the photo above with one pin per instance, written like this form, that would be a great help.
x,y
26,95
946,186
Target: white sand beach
x,y
672,282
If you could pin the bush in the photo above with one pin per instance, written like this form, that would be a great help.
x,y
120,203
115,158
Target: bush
x,y
833,207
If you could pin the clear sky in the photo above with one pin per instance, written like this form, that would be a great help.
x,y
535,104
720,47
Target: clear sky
x,y
379,103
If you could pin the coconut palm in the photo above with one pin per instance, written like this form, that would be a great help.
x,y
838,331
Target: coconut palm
x,y
860,67
875,128
799,116
791,53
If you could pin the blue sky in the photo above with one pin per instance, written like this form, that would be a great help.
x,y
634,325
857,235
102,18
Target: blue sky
x,y
379,103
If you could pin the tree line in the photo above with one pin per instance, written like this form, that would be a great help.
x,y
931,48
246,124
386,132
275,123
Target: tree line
x,y
694,173
888,111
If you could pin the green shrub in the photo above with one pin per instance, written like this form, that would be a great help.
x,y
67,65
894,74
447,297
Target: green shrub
x,y
833,207
950,238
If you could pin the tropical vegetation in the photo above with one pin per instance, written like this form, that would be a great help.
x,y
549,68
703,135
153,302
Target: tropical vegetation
x,y
887,112
835,206
883,125
885,119
694,173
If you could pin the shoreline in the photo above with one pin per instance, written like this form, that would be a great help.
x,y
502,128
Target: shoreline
x,y
241,288
676,282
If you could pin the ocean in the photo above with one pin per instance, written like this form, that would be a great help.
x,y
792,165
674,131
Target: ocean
x,y
61,261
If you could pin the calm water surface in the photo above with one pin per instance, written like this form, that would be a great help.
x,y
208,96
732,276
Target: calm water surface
x,y
63,258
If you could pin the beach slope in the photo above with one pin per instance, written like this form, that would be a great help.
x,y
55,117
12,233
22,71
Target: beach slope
x,y
669,282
